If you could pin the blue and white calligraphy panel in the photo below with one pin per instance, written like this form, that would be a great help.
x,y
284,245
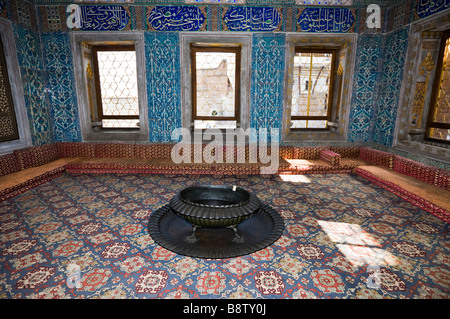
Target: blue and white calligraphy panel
x,y
338,20
176,18
428,7
252,19
103,18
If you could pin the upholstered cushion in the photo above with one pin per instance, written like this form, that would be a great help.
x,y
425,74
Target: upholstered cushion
x,y
307,152
36,155
76,149
419,171
376,157
114,150
286,152
346,151
443,179
8,164
151,151
330,157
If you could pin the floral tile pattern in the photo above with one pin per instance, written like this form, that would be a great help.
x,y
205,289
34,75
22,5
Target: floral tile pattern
x,y
266,99
61,83
366,77
162,53
85,236
33,81
390,84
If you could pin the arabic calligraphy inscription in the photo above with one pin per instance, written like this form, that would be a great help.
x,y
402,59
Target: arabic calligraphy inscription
x,y
103,18
252,19
176,18
428,7
339,20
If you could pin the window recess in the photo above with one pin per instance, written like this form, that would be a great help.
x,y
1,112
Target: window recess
x,y
215,85
312,91
438,121
116,87
8,123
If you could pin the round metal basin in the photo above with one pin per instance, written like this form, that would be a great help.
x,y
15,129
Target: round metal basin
x,y
214,206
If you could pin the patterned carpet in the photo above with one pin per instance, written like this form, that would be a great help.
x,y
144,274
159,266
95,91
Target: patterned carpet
x,y
85,236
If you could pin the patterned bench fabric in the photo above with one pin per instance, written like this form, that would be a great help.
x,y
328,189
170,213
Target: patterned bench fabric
x,y
76,149
114,150
346,151
36,155
8,164
153,151
376,157
308,152
419,171
330,157
443,179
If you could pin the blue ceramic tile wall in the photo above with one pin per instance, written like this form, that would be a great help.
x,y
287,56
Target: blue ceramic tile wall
x,y
390,84
57,55
377,79
162,52
33,81
364,94
267,80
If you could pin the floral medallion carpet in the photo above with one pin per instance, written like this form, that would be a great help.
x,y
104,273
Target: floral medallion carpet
x,y
85,236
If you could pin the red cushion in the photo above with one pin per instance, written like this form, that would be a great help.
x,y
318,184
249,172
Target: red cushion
x,y
36,155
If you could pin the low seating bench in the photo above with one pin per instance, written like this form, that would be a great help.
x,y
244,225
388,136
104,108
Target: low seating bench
x,y
425,186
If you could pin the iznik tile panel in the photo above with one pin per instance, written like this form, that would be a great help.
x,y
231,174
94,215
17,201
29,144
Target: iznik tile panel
x,y
28,54
425,8
252,19
390,85
61,85
362,110
162,53
103,18
337,20
267,87
176,18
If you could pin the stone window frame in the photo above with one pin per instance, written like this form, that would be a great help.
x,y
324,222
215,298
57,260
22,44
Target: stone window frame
x,y
424,39
89,134
17,92
245,39
345,63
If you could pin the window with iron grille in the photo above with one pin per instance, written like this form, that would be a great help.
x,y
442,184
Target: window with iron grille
x,y
438,123
116,86
8,124
312,91
215,79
